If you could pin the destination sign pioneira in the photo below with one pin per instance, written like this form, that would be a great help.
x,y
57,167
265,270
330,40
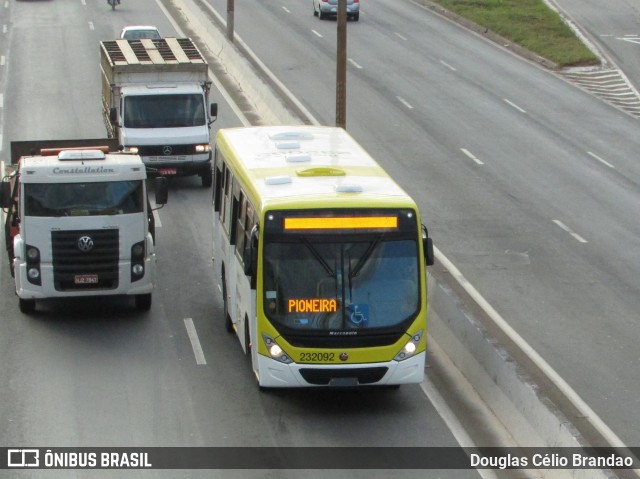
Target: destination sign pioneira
x,y
86,170
312,306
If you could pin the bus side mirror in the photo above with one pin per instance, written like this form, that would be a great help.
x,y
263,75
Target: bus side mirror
x,y
5,195
427,245
250,255
161,188
113,115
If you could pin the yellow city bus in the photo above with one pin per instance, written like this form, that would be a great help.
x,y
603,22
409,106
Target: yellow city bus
x,y
320,258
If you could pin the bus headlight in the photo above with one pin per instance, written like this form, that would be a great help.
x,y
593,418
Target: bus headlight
x,y
411,347
132,149
275,351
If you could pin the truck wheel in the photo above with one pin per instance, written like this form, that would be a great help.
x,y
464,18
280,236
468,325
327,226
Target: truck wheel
x,y
143,302
207,178
27,306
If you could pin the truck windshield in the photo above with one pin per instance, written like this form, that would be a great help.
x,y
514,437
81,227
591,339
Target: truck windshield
x,y
164,111
84,199
323,284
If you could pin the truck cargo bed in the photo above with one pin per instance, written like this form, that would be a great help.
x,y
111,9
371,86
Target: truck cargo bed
x,y
147,55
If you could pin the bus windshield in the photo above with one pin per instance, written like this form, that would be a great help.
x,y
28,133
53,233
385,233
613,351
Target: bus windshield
x,y
319,283
84,199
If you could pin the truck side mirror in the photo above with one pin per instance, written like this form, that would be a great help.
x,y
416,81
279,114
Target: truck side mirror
x,y
161,187
214,112
5,195
427,245
113,115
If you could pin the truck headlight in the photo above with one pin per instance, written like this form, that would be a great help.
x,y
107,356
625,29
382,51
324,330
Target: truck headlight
x,y
33,265
137,261
410,347
202,148
275,351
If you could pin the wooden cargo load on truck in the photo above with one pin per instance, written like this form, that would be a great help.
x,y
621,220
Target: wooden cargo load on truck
x,y
124,60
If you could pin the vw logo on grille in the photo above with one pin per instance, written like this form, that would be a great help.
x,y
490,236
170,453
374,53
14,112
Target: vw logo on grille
x,y
167,150
85,244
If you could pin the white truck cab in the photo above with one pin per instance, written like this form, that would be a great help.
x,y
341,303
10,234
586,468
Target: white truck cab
x,y
79,222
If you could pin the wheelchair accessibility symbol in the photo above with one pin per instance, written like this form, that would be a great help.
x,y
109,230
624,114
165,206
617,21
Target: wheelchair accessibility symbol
x,y
359,314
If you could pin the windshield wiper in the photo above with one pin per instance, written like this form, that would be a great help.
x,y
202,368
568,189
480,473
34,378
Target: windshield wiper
x,y
364,258
317,256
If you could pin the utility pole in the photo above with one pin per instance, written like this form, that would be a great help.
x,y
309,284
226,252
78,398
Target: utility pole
x,y
230,13
341,67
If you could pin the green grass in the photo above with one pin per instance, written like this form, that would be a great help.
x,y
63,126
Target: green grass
x,y
528,23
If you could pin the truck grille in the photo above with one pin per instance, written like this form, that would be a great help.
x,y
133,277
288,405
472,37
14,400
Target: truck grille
x,y
161,150
85,259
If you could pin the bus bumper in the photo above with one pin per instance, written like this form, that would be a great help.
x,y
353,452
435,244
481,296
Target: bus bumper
x,y
274,374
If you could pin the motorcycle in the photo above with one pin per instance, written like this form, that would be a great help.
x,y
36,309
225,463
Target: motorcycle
x,y
113,3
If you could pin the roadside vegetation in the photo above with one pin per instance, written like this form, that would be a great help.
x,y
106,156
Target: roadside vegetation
x,y
528,23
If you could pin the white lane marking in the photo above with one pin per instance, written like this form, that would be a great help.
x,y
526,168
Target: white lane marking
x,y
471,155
1,100
286,9
91,27
358,66
447,65
405,102
604,162
568,230
401,37
4,29
514,105
195,342
2,60
317,34
83,2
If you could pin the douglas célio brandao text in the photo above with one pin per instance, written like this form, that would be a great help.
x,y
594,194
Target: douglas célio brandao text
x,y
550,460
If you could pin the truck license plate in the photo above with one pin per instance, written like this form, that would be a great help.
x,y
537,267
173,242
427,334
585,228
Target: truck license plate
x,y
168,171
85,279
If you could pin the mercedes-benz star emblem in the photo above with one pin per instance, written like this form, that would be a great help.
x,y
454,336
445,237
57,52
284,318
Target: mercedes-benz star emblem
x,y
85,243
167,150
